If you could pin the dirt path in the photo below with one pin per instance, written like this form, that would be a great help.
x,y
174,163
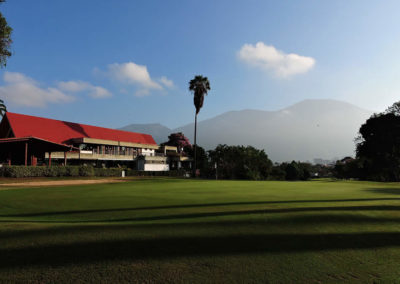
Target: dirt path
x,y
60,182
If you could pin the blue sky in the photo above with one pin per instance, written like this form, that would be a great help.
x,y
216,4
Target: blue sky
x,y
111,63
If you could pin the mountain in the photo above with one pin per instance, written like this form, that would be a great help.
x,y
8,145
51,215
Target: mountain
x,y
159,132
311,129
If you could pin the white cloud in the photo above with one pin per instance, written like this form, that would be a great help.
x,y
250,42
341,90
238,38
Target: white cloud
x,y
166,82
137,75
99,92
80,86
24,91
133,74
267,57
74,86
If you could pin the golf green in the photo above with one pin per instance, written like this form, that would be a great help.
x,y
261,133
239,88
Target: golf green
x,y
199,231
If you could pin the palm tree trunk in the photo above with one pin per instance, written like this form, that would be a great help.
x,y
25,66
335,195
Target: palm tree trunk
x,y
195,146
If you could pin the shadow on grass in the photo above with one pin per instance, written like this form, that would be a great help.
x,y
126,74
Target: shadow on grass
x,y
175,247
264,224
69,212
220,214
384,190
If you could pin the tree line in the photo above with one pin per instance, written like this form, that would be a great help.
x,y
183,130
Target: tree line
x,y
242,162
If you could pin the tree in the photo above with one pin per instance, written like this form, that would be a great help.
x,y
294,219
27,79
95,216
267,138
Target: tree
x,y
5,44
378,147
178,140
202,159
394,109
199,86
5,40
3,108
239,162
293,171
347,168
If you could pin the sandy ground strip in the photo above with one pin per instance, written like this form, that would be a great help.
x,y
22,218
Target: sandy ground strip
x,y
60,182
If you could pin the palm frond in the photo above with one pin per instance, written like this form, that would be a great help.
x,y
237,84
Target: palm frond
x,y
199,85
3,108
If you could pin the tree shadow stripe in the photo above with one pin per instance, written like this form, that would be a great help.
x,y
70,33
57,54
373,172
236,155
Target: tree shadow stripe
x,y
220,214
70,212
205,246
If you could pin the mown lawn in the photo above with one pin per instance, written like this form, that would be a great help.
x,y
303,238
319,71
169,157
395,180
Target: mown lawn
x,y
185,231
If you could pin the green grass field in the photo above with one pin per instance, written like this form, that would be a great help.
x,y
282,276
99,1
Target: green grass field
x,y
185,231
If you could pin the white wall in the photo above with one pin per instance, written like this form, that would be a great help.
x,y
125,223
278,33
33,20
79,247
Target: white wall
x,y
148,152
142,166
156,167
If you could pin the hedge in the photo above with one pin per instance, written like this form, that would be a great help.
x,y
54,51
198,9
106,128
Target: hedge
x,y
172,173
75,171
54,171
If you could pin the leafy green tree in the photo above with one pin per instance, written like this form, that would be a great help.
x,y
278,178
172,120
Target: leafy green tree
x,y
5,39
394,109
5,52
277,173
239,162
202,159
378,147
297,170
293,171
200,87
347,168
306,169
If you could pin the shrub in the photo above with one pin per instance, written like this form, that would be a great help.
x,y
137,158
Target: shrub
x,y
172,173
108,172
55,171
75,171
86,171
72,171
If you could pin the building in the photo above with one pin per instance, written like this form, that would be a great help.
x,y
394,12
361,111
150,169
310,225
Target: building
x,y
30,140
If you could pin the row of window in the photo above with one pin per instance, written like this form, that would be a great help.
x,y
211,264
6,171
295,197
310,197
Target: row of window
x,y
110,150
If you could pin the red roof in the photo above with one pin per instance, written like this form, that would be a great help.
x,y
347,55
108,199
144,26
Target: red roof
x,y
62,131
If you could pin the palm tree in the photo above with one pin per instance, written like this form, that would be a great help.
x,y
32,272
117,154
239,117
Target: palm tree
x,y
199,86
3,108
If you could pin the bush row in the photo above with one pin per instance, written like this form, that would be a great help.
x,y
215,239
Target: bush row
x,y
171,173
77,171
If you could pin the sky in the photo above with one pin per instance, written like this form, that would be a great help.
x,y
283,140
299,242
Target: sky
x,y
113,63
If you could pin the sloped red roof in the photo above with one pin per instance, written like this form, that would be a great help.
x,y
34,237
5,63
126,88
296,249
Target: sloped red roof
x,y
62,131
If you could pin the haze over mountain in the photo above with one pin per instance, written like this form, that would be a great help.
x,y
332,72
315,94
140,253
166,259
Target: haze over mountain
x,y
308,130
159,132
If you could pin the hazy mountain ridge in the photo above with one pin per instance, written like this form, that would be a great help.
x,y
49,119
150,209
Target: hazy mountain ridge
x,y
304,131
158,131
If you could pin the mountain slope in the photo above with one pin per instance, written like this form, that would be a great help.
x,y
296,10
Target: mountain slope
x,y
159,132
307,130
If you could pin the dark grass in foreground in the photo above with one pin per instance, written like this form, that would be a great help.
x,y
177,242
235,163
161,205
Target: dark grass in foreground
x,y
182,231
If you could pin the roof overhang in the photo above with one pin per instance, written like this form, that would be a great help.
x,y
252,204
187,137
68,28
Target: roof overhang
x,y
45,145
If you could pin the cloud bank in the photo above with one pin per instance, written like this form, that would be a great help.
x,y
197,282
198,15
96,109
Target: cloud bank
x,y
96,92
268,58
138,75
22,90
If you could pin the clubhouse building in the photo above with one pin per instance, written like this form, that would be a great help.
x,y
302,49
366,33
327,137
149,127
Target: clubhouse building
x,y
29,140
